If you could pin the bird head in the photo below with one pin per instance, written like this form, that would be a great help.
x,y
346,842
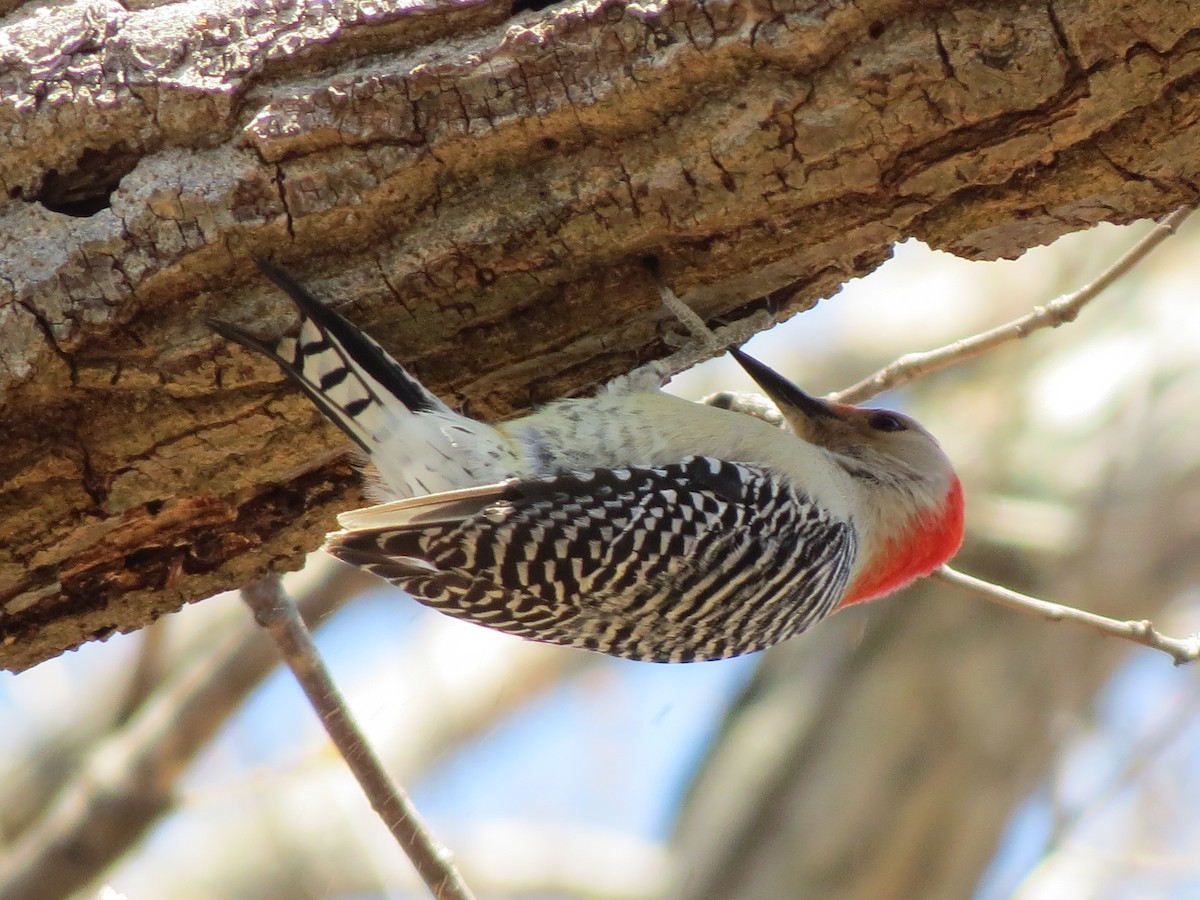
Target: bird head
x,y
870,443
916,504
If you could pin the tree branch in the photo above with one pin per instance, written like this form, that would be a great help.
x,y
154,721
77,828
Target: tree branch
x,y
494,195
1057,312
127,782
276,612
1182,650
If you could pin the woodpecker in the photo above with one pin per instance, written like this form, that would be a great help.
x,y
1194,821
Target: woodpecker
x,y
632,523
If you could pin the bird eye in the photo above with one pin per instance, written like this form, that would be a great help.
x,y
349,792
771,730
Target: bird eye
x,y
886,421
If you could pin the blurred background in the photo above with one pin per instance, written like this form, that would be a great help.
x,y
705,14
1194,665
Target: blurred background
x,y
930,745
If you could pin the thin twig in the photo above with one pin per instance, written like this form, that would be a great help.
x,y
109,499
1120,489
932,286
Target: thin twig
x,y
147,671
700,343
275,611
1056,312
1182,650
128,779
1139,758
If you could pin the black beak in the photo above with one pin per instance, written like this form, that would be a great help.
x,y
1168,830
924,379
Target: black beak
x,y
785,394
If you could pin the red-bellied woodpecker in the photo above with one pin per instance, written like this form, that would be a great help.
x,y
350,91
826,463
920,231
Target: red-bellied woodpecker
x,y
633,523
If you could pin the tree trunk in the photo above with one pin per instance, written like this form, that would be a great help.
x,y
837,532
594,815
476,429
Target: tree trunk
x,y
499,191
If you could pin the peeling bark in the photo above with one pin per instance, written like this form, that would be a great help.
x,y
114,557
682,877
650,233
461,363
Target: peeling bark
x,y
497,194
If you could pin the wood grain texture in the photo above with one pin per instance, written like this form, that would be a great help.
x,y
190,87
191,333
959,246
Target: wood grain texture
x,y
493,195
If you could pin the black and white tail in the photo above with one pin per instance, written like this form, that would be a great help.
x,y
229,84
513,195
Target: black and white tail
x,y
416,442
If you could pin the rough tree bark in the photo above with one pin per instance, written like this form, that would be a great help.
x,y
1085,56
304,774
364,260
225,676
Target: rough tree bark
x,y
497,189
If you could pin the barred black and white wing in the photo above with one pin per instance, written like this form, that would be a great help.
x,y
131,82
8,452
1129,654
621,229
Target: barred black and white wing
x,y
418,444
700,559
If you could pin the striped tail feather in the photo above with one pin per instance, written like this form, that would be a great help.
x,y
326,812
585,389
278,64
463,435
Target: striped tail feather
x,y
417,443
345,373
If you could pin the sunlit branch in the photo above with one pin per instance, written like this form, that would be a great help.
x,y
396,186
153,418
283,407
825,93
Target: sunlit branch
x,y
1182,650
275,611
1139,759
148,669
128,779
1057,312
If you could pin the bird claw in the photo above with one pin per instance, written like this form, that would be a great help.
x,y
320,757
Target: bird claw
x,y
649,377
747,404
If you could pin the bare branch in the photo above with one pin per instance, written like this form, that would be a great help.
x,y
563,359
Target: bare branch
x,y
1057,312
148,670
1182,650
275,611
128,780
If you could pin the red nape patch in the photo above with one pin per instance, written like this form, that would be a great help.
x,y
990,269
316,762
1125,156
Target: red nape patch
x,y
924,548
